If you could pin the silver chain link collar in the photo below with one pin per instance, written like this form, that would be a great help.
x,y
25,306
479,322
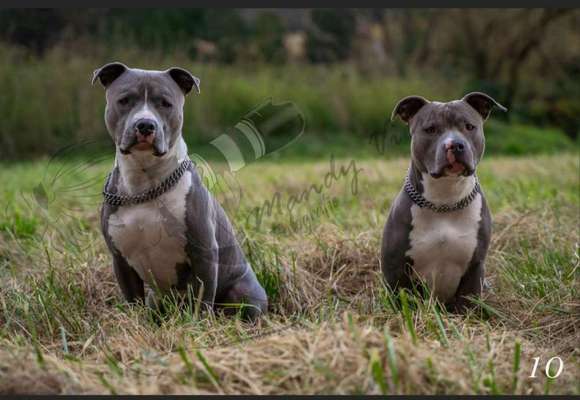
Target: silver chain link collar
x,y
424,203
118,200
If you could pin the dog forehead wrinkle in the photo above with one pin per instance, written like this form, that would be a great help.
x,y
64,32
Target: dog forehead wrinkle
x,y
444,115
429,115
161,85
138,79
464,112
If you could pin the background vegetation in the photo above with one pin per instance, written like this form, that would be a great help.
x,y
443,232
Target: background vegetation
x,y
344,69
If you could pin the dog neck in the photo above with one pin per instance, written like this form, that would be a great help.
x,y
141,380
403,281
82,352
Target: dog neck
x,y
447,189
142,170
444,190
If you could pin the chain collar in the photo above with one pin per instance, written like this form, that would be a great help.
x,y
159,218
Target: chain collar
x,y
118,200
424,203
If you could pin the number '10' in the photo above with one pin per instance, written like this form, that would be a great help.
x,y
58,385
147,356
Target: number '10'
x,y
547,371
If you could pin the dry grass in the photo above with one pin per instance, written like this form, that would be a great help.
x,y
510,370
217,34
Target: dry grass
x,y
332,327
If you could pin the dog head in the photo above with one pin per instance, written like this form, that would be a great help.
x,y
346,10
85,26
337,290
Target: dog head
x,y
447,139
144,111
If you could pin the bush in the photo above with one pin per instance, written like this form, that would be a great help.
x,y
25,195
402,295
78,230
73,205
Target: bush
x,y
48,102
517,139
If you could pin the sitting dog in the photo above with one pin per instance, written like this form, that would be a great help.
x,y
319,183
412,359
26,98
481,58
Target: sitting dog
x,y
160,223
439,225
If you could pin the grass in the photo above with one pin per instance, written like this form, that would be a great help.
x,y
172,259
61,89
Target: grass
x,y
332,326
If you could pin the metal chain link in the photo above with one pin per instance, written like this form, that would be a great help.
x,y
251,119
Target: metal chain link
x,y
424,203
119,200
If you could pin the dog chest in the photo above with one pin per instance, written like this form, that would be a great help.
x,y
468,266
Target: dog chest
x,y
442,246
152,236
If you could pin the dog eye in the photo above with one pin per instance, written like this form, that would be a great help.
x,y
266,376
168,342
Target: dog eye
x,y
469,127
430,129
166,104
123,101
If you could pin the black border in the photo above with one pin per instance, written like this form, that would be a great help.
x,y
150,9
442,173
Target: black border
x,y
291,4
489,4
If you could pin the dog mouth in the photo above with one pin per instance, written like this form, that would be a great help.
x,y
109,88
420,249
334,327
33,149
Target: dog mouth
x,y
143,143
453,167
143,146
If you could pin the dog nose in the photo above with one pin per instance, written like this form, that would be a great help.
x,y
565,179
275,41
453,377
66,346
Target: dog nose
x,y
455,146
145,126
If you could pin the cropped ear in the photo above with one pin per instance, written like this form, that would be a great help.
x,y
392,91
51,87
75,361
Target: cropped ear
x,y
108,73
184,79
482,103
407,107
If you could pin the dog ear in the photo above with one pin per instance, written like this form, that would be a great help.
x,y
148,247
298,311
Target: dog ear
x,y
184,79
407,107
482,103
108,73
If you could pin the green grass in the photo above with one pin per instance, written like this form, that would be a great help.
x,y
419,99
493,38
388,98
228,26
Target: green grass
x,y
332,326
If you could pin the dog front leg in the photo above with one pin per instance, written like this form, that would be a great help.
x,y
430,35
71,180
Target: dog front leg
x,y
395,264
129,281
471,284
203,277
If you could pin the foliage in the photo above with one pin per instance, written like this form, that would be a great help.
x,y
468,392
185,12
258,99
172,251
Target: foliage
x,y
526,58
341,105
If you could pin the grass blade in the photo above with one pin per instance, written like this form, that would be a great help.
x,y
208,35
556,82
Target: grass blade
x,y
407,316
392,360
378,371
208,370
107,384
442,333
516,369
64,341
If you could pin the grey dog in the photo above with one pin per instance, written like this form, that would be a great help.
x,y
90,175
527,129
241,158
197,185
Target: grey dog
x,y
160,223
439,226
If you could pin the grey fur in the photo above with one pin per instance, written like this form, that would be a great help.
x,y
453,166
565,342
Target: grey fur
x,y
214,265
432,125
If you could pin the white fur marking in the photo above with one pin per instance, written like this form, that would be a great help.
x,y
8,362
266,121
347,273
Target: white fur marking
x,y
442,244
145,112
447,189
151,245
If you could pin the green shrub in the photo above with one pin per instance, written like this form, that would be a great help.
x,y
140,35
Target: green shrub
x,y
517,139
48,103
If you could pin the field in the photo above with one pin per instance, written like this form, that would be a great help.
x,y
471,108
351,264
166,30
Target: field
x,y
332,326
309,215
